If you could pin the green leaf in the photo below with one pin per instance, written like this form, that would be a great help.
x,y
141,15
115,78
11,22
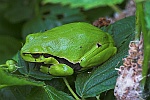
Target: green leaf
x,y
93,14
100,80
87,4
52,17
33,26
9,29
19,10
31,93
58,84
64,14
104,77
147,13
3,6
22,64
6,94
10,80
8,49
108,95
121,30
48,93
34,72
15,92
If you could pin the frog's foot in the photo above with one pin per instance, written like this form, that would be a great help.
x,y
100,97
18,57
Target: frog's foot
x,y
57,70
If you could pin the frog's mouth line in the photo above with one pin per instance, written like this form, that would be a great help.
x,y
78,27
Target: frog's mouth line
x,y
76,66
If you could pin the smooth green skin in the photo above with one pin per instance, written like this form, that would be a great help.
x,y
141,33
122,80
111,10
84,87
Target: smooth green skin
x,y
75,42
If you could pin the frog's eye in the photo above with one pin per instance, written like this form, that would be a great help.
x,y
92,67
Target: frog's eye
x,y
36,55
46,55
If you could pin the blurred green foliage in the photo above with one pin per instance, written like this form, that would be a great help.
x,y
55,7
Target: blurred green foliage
x,y
22,17
87,85
86,4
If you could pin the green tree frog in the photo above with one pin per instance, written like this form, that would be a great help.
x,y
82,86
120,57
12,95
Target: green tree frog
x,y
74,44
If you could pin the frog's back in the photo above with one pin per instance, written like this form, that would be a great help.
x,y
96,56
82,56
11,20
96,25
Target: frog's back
x,y
70,41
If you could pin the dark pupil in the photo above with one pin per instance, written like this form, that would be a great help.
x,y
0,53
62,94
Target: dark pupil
x,y
98,45
35,55
46,55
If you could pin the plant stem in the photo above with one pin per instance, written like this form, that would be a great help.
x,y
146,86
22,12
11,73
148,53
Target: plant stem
x,y
141,26
82,99
3,65
70,89
115,8
138,22
146,58
146,36
36,9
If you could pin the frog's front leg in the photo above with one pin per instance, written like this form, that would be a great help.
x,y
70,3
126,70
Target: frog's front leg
x,y
57,70
98,56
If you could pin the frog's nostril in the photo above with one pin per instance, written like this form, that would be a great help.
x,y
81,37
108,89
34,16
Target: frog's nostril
x,y
98,45
80,46
35,55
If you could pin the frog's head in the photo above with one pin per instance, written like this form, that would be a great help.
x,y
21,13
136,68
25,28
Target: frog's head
x,y
49,63
39,57
33,51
